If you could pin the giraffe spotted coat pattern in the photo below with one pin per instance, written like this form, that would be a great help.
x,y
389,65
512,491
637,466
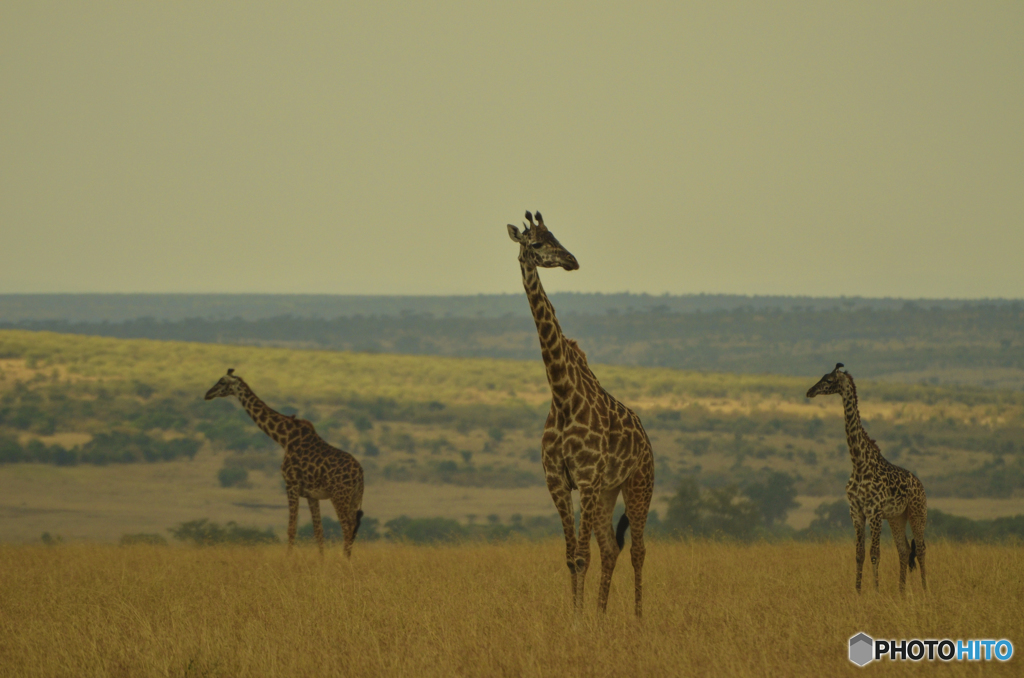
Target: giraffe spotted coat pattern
x,y
312,468
878,490
591,441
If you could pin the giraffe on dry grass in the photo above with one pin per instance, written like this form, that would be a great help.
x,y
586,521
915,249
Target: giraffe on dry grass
x,y
311,468
878,490
591,441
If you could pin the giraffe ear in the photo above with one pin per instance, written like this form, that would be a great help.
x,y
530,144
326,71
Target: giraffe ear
x,y
514,233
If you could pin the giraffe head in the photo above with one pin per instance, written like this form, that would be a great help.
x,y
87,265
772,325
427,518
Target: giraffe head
x,y
831,383
225,387
538,247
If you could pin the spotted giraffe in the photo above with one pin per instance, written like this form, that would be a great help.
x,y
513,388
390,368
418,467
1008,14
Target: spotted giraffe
x,y
591,441
877,490
311,468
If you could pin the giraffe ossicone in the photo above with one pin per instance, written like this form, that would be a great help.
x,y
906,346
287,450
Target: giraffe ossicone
x,y
312,468
591,442
877,490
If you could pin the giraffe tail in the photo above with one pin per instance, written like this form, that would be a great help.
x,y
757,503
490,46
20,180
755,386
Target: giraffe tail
x,y
359,519
913,555
620,531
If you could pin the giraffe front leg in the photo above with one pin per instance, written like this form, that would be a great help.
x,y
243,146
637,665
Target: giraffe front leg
x,y
858,526
318,530
293,514
589,508
562,496
561,493
876,548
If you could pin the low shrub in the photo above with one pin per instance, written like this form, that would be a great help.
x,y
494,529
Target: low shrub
x,y
51,540
424,530
142,538
202,532
233,476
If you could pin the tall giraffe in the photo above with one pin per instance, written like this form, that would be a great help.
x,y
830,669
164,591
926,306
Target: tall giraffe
x,y
311,468
591,441
877,489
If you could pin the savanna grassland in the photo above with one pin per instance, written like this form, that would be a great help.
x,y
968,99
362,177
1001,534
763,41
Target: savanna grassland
x,y
712,609
100,437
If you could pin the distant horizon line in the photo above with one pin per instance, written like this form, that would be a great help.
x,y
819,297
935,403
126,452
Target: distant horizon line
x,y
501,294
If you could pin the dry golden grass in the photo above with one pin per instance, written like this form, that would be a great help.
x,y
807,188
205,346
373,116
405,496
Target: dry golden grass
x,y
487,610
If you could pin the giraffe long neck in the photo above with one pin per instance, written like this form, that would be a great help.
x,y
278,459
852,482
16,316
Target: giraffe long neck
x,y
553,346
271,422
856,437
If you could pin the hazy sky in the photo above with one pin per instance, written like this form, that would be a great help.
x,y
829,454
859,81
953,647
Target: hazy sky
x,y
861,148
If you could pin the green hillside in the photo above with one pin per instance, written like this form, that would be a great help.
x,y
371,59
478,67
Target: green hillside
x,y
67,400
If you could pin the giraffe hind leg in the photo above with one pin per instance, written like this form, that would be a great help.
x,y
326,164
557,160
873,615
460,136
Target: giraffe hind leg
x,y
636,494
349,518
293,514
917,519
898,526
318,529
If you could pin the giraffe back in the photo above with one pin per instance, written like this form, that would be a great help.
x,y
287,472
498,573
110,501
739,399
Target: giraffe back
x,y
318,468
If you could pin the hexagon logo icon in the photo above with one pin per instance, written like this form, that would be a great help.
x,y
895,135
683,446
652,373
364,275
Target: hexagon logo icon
x,y
862,649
